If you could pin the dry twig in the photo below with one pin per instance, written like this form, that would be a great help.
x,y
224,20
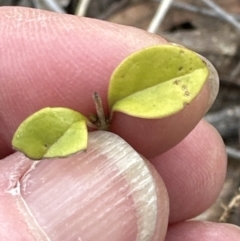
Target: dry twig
x,y
82,7
225,16
159,15
231,212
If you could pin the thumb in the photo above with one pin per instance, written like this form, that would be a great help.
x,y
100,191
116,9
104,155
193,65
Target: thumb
x,y
106,193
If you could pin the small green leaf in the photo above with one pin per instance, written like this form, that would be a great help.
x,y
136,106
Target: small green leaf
x,y
51,132
157,81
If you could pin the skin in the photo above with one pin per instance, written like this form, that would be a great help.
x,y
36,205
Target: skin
x,y
58,60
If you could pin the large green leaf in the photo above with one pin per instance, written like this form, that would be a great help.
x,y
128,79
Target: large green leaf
x,y
51,132
157,81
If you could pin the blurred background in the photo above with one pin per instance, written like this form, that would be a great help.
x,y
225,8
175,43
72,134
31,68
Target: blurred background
x,y
209,27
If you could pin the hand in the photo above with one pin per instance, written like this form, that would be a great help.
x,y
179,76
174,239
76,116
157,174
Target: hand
x,y
49,59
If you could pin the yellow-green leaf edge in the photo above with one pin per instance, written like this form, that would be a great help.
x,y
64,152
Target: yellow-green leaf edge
x,y
157,81
51,132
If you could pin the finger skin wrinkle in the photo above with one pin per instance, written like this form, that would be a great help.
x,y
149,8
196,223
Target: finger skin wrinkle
x,y
15,213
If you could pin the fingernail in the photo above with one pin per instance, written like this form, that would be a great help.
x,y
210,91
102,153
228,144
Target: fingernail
x,y
212,81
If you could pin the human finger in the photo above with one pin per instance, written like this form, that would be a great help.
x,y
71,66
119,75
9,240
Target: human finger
x,y
107,193
194,172
41,67
204,231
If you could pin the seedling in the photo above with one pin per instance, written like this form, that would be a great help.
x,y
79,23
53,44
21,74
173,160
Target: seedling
x,y
152,83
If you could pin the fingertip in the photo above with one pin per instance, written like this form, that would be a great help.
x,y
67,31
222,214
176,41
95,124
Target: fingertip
x,y
203,231
57,60
107,193
193,171
152,137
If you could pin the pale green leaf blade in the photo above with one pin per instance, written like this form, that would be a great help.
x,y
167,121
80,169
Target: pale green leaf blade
x,y
72,141
157,81
156,101
51,132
